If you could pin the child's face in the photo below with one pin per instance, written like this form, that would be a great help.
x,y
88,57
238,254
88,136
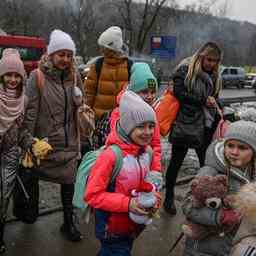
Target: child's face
x,y
142,134
12,80
238,153
148,95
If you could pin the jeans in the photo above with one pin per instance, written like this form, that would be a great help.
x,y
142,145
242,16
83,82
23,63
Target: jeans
x,y
116,247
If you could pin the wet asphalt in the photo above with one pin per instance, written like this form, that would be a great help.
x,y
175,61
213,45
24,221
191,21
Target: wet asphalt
x,y
43,238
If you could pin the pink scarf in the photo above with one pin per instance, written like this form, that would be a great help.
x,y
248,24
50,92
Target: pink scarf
x,y
10,108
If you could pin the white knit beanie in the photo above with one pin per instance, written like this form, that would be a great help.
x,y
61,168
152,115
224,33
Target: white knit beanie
x,y
134,111
60,40
244,131
112,38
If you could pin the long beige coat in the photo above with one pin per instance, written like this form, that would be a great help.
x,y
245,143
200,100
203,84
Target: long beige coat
x,y
51,114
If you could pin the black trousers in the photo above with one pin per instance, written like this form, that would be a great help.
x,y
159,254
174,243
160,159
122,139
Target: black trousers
x,y
178,154
27,210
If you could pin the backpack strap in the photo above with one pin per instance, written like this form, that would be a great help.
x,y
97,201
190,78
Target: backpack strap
x,y
39,79
119,163
98,66
99,63
129,65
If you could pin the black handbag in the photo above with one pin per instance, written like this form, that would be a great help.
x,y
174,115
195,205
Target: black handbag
x,y
188,129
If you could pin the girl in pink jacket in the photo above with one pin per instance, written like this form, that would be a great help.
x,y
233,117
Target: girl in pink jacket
x,y
133,134
144,84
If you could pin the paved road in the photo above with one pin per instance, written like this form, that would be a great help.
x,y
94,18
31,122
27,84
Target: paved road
x,y
43,238
225,93
232,93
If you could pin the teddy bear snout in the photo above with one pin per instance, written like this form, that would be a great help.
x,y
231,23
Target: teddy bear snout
x,y
213,202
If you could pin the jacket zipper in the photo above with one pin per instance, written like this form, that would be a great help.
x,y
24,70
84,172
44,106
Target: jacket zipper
x,y
140,167
65,111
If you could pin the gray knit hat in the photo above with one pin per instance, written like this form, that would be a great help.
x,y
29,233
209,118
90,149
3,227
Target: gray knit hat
x,y
244,131
112,38
134,111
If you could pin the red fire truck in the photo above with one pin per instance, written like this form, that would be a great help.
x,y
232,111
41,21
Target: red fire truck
x,y
30,48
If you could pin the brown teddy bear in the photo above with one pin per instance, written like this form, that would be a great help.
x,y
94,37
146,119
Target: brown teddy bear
x,y
207,191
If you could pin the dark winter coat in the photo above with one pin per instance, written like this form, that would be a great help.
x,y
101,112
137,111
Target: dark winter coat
x,y
189,127
214,245
10,154
51,114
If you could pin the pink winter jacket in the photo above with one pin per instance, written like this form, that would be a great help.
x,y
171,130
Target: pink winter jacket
x,y
129,178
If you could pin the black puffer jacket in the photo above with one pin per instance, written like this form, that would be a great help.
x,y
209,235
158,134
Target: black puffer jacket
x,y
189,126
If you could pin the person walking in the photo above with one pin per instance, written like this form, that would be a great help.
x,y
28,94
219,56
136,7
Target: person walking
x,y
144,84
51,115
12,107
107,77
112,203
234,157
197,85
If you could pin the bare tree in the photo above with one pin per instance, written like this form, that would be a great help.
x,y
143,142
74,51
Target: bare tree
x,y
223,9
202,6
82,19
138,19
23,17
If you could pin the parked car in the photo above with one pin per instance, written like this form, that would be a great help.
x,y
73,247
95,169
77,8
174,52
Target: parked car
x,y
233,77
250,80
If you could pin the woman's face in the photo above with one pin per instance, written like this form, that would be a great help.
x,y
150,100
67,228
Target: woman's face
x,y
209,63
239,154
62,59
142,134
12,80
148,95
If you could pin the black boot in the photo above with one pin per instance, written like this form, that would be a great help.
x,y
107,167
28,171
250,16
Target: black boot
x,y
169,204
26,209
2,244
68,228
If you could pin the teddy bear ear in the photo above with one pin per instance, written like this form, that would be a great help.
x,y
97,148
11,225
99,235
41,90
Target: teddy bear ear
x,y
194,183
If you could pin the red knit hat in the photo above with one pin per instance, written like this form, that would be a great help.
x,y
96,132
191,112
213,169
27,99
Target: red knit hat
x,y
11,62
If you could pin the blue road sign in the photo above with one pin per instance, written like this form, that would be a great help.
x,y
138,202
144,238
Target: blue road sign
x,y
163,46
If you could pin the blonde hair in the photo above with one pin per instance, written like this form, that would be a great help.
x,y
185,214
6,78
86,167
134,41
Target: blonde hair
x,y
195,65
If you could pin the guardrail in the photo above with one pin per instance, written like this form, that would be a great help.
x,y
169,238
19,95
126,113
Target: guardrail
x,y
228,101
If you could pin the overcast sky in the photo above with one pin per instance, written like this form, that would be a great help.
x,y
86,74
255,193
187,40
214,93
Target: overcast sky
x,y
239,9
